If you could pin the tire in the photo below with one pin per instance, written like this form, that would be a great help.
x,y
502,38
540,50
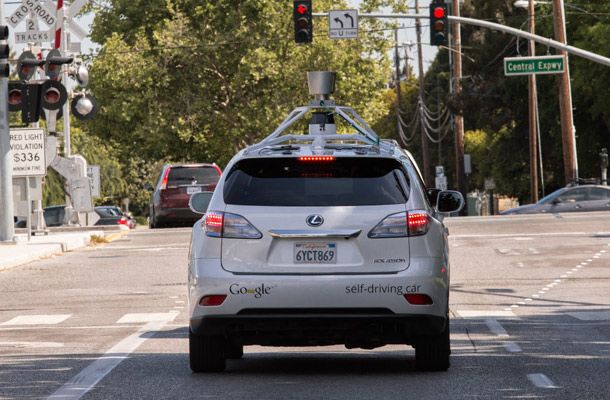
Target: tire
x,y
432,352
234,351
206,353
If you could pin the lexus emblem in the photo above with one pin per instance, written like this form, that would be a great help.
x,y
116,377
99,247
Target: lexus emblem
x,y
314,220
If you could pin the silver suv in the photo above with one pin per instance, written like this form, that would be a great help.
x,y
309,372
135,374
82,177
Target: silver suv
x,y
320,239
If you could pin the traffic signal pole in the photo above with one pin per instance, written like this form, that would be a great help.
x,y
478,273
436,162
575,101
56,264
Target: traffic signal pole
x,y
7,224
533,112
457,91
424,139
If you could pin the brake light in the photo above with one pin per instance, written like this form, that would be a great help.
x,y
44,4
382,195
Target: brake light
x,y
316,158
227,225
213,223
412,223
165,177
418,222
122,221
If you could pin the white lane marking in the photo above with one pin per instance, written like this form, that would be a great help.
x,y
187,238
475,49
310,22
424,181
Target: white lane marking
x,y
485,314
520,265
563,276
495,327
541,381
603,251
533,250
146,317
589,260
505,235
535,295
591,315
31,345
512,347
528,299
180,302
514,306
524,238
557,281
37,320
85,380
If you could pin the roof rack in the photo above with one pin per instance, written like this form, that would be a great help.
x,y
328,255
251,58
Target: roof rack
x,y
364,134
321,85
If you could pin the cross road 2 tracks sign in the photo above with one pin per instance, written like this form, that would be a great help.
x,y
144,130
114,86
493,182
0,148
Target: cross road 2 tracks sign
x,y
514,66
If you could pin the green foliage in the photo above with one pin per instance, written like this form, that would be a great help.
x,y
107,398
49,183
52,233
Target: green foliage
x,y
197,81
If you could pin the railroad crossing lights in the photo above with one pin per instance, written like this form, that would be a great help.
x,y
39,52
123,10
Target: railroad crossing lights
x,y
343,24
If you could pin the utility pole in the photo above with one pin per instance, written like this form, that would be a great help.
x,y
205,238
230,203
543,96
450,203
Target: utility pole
x,y
533,112
424,140
7,224
568,131
457,91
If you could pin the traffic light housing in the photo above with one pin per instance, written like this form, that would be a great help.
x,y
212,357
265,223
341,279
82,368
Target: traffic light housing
x,y
439,26
5,69
303,21
27,64
54,62
30,98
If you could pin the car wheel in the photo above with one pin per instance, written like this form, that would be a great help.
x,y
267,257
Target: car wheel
x,y
234,351
432,352
206,353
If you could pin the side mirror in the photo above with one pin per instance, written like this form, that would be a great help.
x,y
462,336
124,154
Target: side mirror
x,y
199,202
449,201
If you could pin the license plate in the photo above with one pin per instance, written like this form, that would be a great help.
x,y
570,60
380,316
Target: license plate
x,y
315,253
193,189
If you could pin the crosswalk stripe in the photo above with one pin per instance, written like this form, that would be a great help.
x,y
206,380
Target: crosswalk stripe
x,y
146,317
52,319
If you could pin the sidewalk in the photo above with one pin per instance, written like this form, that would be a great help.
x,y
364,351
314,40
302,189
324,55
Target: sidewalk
x,y
55,243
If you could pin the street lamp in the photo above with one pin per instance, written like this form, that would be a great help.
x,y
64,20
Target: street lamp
x,y
568,131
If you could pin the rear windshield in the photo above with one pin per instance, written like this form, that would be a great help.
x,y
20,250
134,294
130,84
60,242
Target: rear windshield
x,y
192,176
342,182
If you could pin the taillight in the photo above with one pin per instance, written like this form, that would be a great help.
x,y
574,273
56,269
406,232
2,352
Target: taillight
x,y
418,222
165,177
122,221
412,223
227,225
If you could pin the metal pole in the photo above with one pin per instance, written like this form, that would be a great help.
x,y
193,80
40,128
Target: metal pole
x,y
501,28
424,139
459,117
533,117
29,199
570,163
66,108
7,223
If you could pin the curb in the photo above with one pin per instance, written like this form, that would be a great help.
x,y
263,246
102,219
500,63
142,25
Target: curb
x,y
25,253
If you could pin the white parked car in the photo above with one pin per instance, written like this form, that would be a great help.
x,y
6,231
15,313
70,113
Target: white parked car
x,y
320,239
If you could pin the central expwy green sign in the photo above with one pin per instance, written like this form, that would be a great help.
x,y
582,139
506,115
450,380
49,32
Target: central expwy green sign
x,y
534,65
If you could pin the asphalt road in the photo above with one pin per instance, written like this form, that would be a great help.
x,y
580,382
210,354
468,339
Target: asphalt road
x,y
530,312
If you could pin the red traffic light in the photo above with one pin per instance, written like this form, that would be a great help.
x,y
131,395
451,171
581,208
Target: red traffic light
x,y
439,12
302,9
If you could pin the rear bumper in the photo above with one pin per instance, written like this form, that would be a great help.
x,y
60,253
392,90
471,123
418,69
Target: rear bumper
x,y
352,327
176,215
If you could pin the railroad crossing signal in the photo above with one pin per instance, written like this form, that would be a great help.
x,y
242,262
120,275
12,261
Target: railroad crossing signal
x,y
303,23
438,24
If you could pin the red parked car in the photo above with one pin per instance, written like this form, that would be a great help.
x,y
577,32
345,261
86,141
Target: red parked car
x,y
169,203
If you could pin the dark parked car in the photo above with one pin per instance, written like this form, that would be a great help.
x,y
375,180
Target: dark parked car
x,y
169,203
112,215
54,216
569,199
